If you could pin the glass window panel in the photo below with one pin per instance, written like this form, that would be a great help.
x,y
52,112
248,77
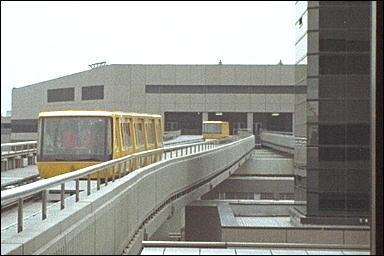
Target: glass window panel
x,y
333,17
357,86
358,41
212,128
332,64
301,48
332,111
331,154
332,201
358,134
92,92
332,40
332,86
77,138
358,64
139,134
332,134
62,94
358,153
358,111
329,182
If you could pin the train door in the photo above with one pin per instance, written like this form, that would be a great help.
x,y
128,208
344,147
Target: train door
x,y
117,139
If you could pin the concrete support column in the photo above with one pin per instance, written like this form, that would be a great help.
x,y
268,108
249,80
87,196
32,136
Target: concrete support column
x,y
250,121
18,162
4,164
204,117
31,159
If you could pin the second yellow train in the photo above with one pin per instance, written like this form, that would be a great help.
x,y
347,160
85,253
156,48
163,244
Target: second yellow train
x,y
215,129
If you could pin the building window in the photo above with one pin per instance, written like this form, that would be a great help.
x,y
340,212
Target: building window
x,y
24,125
266,196
225,89
92,92
62,94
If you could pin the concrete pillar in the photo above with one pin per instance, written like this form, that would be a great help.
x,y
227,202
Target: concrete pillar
x,y
11,163
4,164
204,117
250,121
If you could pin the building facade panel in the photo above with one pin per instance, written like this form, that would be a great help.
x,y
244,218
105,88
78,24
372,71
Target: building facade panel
x,y
166,88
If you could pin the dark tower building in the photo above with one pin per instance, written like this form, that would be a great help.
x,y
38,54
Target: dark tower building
x,y
333,170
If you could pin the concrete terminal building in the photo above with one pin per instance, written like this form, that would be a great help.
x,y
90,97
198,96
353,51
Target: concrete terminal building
x,y
324,100
185,95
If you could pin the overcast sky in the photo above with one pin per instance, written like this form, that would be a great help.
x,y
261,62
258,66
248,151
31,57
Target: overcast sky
x,y
46,40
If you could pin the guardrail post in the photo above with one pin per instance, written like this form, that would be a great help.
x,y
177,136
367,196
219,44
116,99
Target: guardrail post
x,y
88,184
77,190
44,198
62,196
20,216
106,177
98,180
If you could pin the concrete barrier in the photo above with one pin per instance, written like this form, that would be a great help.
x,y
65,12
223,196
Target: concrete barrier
x,y
281,142
122,214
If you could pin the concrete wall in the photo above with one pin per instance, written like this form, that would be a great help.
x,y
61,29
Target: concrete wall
x,y
128,210
280,142
124,90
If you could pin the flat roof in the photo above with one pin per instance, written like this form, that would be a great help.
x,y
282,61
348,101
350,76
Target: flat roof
x,y
214,122
93,113
246,251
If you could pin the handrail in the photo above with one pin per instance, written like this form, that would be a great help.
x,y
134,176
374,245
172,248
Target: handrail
x,y
18,143
17,148
277,132
201,244
20,192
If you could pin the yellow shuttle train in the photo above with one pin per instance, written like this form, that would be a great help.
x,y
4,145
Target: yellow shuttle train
x,y
215,129
73,139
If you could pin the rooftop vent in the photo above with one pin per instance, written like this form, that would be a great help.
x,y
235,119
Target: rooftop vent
x,y
98,64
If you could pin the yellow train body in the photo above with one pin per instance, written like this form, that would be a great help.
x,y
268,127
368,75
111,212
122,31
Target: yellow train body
x,y
215,129
73,139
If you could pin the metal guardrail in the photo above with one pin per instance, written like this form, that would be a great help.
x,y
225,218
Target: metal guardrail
x,y
18,148
278,132
189,244
121,167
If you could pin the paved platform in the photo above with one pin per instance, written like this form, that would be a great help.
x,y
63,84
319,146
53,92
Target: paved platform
x,y
18,174
246,251
184,139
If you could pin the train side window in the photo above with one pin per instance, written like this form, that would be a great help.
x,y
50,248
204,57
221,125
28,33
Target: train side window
x,y
158,131
150,132
122,128
139,133
128,134
125,130
109,139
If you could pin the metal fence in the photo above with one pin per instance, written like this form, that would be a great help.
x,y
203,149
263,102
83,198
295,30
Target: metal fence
x,y
18,148
120,167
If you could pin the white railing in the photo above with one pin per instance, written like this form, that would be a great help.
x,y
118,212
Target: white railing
x,y
120,167
18,148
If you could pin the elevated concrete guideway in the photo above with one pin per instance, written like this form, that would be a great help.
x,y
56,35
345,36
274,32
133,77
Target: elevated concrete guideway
x,y
121,215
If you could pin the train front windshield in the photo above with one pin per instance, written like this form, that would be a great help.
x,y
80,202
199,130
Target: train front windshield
x,y
75,139
212,128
